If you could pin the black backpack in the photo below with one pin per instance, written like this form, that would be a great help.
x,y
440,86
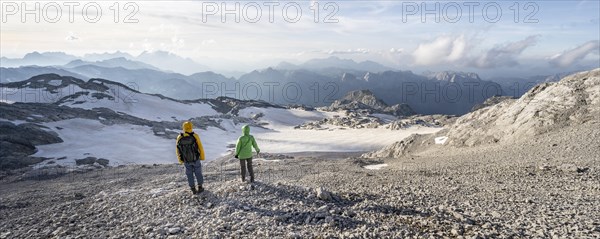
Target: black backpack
x,y
188,148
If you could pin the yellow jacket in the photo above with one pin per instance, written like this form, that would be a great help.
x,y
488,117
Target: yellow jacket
x,y
188,128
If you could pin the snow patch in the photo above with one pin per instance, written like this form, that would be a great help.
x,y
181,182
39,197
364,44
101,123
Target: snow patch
x,y
290,140
281,137
135,144
441,140
145,106
284,118
16,122
124,143
376,166
140,105
55,82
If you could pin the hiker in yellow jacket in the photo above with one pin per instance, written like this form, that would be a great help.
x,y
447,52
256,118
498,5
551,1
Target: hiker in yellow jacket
x,y
190,152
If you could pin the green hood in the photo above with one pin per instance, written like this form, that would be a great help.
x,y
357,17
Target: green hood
x,y
246,130
245,143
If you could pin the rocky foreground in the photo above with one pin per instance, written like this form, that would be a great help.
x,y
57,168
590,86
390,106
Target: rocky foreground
x,y
546,187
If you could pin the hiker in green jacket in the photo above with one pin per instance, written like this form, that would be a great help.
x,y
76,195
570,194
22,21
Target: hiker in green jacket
x,y
243,152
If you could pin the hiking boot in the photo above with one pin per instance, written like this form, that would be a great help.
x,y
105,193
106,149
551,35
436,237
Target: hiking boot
x,y
193,190
200,189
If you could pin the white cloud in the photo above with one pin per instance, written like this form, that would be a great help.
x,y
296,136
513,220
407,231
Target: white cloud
x,y
443,49
574,55
177,42
208,42
147,45
72,37
458,50
505,55
396,50
348,51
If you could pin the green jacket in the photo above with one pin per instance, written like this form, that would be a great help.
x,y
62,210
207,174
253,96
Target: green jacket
x,y
243,148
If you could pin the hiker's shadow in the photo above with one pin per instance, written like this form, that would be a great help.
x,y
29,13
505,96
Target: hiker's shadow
x,y
208,198
300,205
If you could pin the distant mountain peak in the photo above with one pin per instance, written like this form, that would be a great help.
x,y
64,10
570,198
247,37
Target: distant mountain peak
x,y
171,62
76,61
284,65
35,53
334,62
106,56
453,76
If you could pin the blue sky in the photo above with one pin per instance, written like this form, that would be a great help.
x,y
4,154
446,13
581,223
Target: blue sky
x,y
565,36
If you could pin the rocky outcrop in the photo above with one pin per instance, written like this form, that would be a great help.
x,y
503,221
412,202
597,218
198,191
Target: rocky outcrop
x,y
17,143
357,121
491,101
92,161
548,106
421,120
395,150
365,101
360,109
365,97
351,120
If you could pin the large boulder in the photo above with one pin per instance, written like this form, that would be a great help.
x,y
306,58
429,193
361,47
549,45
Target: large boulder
x,y
395,150
323,194
92,161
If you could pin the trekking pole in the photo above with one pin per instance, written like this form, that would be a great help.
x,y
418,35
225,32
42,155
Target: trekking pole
x,y
270,171
259,165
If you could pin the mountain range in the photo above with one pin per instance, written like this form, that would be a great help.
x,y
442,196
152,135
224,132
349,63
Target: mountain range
x,y
317,82
113,62
162,60
332,63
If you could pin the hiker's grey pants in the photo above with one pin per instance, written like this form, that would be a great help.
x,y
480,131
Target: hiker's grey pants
x,y
191,169
247,163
